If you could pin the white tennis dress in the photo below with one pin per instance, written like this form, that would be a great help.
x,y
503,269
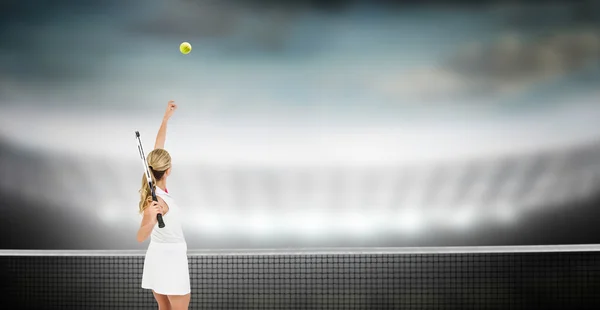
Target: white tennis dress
x,y
166,265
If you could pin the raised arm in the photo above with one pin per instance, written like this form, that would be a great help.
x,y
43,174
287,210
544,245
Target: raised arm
x,y
162,131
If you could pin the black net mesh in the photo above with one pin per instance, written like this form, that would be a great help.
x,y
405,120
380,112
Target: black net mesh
x,y
398,281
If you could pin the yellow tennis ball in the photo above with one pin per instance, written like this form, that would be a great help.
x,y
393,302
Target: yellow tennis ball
x,y
185,48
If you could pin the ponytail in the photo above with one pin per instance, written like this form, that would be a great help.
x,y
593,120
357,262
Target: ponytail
x,y
159,162
145,192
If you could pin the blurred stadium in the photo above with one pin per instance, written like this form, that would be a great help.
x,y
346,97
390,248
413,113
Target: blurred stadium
x,y
305,124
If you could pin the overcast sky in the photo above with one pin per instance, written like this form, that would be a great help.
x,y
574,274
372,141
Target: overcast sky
x,y
269,55
309,63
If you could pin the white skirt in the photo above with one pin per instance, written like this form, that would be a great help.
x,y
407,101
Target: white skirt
x,y
166,269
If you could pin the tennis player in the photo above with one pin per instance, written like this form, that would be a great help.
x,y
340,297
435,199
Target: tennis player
x,y
166,270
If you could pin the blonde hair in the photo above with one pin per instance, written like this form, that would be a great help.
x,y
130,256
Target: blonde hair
x,y
159,161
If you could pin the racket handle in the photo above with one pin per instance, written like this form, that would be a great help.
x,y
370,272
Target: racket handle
x,y
161,223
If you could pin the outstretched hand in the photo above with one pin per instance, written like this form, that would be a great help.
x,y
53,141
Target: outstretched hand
x,y
171,107
162,131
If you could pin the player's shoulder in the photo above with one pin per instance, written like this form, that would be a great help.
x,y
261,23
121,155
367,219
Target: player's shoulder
x,y
163,199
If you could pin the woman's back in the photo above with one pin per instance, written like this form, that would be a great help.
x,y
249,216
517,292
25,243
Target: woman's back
x,y
172,232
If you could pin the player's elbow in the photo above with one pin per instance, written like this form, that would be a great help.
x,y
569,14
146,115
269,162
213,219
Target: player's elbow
x,y
140,238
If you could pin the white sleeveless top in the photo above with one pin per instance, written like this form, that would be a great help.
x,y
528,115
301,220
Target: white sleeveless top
x,y
172,232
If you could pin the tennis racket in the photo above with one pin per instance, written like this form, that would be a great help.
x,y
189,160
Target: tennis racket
x,y
159,217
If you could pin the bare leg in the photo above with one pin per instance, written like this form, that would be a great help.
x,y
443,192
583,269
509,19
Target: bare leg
x,y
163,301
179,302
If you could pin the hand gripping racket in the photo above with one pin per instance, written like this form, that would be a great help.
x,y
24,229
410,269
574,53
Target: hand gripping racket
x,y
159,217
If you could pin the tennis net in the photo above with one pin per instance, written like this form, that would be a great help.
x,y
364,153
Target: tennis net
x,y
352,279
